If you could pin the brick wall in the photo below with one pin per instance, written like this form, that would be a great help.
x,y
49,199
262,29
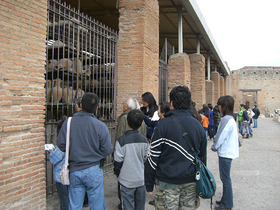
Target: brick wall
x,y
264,79
209,90
215,77
222,86
198,79
178,71
226,92
22,100
138,50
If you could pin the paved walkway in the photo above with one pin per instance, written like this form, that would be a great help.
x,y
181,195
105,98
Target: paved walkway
x,y
255,174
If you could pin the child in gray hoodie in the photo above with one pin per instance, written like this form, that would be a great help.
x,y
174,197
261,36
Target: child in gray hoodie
x,y
130,154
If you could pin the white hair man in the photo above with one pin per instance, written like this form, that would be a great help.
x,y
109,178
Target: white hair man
x,y
122,127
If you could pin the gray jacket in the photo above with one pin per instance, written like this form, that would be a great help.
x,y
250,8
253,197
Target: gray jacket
x,y
90,141
130,154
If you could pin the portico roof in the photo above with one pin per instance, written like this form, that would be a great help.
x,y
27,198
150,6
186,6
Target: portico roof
x,y
194,25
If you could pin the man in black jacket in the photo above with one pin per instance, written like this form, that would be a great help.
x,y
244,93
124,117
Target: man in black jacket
x,y
170,162
256,116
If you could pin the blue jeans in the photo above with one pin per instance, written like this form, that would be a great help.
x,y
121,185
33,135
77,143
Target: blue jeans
x,y
240,126
249,129
215,128
63,195
255,123
224,168
211,130
89,180
206,132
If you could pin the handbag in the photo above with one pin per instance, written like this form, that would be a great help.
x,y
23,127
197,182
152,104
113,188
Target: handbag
x,y
64,173
205,181
205,184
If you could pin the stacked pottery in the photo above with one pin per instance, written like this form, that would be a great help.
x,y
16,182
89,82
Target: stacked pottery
x,y
68,92
49,90
57,91
77,66
52,64
79,93
65,63
95,83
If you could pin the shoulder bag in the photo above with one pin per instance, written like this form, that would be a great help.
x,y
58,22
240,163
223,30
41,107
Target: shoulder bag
x,y
205,181
64,173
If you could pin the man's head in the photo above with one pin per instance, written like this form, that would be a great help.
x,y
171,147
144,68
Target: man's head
x,y
135,119
130,104
180,98
78,104
90,102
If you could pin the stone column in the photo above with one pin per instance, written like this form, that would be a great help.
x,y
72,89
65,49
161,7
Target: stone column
x,y
138,50
222,86
179,71
215,76
198,79
226,85
209,90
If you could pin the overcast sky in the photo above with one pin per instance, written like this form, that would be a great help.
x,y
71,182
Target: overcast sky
x,y
247,32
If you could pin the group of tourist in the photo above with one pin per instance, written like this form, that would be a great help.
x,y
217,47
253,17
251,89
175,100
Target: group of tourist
x,y
150,152
246,117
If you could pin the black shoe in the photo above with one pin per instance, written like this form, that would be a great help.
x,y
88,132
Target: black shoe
x,y
221,208
152,202
120,206
218,202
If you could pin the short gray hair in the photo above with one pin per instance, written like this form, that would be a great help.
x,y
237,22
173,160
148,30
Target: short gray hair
x,y
132,103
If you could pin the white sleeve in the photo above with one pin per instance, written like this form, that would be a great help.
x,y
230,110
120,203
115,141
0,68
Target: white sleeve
x,y
155,116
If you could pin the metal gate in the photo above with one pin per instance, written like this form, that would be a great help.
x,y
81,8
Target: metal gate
x,y
163,81
166,52
81,57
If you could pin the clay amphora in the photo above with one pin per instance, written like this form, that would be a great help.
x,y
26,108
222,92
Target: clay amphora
x,y
70,94
49,90
57,91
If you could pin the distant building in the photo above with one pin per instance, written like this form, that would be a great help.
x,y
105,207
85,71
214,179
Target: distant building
x,y
256,85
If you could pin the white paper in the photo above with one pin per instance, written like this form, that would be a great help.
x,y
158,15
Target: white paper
x,y
49,146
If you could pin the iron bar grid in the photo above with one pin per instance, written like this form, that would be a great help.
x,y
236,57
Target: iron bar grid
x,y
81,57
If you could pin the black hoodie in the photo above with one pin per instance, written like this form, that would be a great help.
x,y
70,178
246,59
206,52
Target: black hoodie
x,y
170,158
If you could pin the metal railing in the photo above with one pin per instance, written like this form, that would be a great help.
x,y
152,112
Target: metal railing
x,y
81,57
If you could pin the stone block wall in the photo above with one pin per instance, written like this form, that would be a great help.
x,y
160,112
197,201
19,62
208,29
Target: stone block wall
x,y
138,50
22,99
263,83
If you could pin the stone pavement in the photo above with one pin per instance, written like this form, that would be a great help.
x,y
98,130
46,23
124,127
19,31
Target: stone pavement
x,y
255,174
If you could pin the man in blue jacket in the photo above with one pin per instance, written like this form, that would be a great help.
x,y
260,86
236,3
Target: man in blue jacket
x,y
90,143
170,162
